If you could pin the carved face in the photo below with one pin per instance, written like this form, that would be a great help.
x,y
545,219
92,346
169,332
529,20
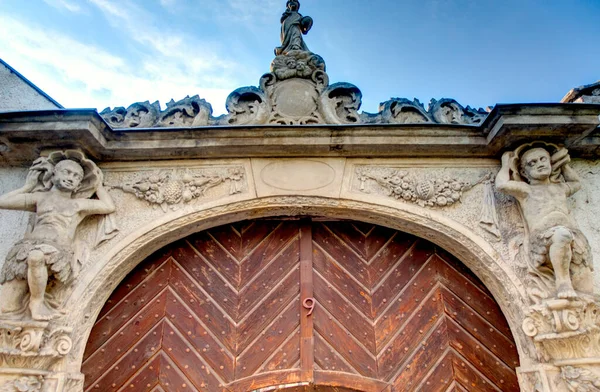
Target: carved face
x,y
452,114
536,164
67,176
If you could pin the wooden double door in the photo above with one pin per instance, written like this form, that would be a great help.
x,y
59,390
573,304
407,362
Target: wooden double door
x,y
305,304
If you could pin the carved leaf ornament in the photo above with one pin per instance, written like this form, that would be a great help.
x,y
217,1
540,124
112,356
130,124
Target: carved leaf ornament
x,y
170,189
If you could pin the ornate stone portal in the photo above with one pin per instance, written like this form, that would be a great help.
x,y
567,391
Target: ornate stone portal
x,y
530,236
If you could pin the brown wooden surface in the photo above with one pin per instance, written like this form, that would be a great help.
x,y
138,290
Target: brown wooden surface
x,y
222,310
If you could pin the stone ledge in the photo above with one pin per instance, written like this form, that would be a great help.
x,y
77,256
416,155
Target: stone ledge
x,y
23,135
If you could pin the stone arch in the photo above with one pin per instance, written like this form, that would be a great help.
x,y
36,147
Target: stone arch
x,y
104,275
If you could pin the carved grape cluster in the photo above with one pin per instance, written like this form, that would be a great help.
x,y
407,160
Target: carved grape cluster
x,y
426,192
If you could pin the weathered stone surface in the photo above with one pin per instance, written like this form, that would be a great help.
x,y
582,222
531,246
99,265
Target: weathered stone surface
x,y
557,253
589,93
58,189
426,171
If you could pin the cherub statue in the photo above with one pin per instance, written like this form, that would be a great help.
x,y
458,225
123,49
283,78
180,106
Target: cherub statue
x,y
538,175
59,190
293,26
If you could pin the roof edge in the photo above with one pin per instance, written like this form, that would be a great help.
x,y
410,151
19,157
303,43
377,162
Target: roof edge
x,y
31,84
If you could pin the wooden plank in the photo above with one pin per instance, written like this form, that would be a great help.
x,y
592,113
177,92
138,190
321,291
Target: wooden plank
x,y
342,281
328,359
401,307
341,308
269,277
271,379
257,353
483,331
483,360
121,342
471,379
307,342
182,365
273,304
136,277
441,377
411,337
350,381
146,379
133,300
341,254
433,347
205,343
205,307
119,372
463,287
205,275
405,270
286,356
344,343
276,241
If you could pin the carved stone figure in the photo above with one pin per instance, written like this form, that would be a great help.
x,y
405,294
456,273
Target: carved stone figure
x,y
538,175
293,26
59,190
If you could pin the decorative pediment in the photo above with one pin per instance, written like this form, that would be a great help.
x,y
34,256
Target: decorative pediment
x,y
296,91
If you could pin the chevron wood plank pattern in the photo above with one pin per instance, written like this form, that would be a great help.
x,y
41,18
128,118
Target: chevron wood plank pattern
x,y
223,310
397,299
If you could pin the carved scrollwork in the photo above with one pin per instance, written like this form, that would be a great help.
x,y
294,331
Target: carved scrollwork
x,y
340,102
189,112
171,189
138,115
565,329
426,191
34,345
404,111
448,111
23,384
580,380
247,105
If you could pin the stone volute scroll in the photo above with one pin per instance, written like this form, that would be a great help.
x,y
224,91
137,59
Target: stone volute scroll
x,y
563,319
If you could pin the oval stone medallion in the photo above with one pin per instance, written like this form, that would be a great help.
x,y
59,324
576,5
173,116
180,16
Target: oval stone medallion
x,y
296,98
298,175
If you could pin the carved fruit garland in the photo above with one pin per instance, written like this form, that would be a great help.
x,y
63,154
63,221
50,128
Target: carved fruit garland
x,y
169,189
426,191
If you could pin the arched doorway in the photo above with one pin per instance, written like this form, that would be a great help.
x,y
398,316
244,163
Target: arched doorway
x,y
275,302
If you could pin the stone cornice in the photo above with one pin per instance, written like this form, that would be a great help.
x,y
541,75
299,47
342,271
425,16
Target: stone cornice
x,y
23,135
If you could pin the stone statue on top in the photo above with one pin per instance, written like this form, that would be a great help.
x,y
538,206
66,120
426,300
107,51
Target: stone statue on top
x,y
293,26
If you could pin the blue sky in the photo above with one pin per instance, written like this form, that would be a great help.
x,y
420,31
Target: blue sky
x,y
98,53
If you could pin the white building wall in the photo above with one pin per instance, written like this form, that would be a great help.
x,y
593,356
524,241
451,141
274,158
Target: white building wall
x,y
17,94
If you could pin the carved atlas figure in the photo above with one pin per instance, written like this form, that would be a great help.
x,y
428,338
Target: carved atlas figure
x,y
538,175
59,190
293,26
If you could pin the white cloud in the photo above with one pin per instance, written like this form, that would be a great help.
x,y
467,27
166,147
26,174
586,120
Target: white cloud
x,y
64,4
81,75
